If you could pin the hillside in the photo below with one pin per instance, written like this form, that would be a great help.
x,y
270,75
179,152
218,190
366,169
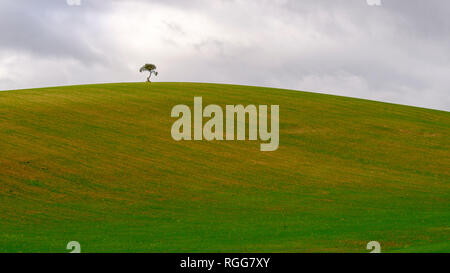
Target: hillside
x,y
97,164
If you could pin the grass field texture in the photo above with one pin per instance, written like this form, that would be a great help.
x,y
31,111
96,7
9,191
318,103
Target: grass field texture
x,y
97,164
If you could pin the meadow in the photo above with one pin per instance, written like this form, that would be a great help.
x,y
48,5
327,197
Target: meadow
x,y
97,164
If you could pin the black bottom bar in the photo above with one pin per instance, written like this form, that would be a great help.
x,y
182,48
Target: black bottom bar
x,y
225,262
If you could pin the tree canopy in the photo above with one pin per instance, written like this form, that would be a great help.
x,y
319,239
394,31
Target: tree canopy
x,y
151,68
147,67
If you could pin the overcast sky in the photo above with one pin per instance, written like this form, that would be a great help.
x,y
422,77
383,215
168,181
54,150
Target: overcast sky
x,y
397,52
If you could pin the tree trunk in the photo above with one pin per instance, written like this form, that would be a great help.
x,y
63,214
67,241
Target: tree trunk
x,y
148,78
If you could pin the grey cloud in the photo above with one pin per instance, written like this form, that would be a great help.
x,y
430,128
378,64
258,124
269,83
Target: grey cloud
x,y
46,28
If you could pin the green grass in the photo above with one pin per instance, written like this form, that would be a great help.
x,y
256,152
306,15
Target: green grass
x,y
97,164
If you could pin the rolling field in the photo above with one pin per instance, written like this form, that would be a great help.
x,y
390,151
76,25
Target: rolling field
x,y
97,164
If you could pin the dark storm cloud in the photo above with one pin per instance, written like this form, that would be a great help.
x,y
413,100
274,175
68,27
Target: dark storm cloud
x,y
397,52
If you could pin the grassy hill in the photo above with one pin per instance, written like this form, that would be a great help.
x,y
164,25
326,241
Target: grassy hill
x,y
97,164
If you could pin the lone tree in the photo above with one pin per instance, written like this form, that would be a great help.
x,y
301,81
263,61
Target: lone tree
x,y
151,68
